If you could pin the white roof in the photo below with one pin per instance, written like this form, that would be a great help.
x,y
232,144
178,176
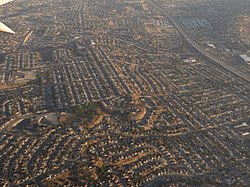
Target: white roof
x,y
245,57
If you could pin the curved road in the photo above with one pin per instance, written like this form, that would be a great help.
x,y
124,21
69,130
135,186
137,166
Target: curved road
x,y
197,47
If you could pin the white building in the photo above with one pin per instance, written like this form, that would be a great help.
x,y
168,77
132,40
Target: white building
x,y
245,58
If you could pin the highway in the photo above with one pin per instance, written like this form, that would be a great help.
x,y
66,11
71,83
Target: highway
x,y
196,47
